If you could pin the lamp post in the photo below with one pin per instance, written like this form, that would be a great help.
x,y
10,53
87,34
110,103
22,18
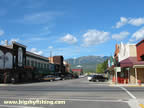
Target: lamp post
x,y
51,51
128,69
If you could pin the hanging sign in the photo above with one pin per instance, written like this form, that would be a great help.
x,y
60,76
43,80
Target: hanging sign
x,y
117,69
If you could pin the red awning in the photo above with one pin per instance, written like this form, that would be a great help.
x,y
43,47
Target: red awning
x,y
77,70
129,62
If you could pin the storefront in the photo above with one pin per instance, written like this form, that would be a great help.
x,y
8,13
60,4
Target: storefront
x,y
132,70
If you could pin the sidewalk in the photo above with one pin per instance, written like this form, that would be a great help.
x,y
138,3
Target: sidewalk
x,y
6,85
125,85
141,103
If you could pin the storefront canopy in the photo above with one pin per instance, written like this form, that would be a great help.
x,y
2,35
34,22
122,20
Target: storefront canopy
x,y
130,62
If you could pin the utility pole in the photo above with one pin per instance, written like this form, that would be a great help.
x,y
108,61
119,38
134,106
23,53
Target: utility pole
x,y
50,56
51,52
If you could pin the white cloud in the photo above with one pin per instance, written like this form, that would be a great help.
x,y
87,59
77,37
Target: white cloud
x,y
120,36
70,39
34,50
93,37
132,21
138,35
122,22
2,42
10,41
136,21
1,32
14,39
39,18
50,47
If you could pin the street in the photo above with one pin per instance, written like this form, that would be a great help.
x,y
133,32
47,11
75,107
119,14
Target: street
x,y
77,93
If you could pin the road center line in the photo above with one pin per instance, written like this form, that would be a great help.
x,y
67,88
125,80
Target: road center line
x,y
90,100
129,93
72,99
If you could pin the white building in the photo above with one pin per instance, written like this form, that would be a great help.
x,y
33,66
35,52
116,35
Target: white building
x,y
126,50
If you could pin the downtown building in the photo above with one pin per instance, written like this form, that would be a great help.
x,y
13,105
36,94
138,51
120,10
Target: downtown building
x,y
18,65
127,64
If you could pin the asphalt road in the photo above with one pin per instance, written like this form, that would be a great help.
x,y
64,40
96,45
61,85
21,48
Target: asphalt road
x,y
77,93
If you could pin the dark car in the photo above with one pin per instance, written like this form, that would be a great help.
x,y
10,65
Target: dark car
x,y
98,78
68,77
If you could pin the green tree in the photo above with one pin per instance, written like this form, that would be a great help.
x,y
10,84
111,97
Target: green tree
x,y
99,68
105,65
102,67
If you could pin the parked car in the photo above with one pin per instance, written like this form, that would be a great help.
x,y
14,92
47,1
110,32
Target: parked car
x,y
75,76
68,77
82,76
98,78
90,77
62,77
57,78
48,78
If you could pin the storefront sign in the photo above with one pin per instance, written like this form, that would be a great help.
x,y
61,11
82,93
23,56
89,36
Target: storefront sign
x,y
117,69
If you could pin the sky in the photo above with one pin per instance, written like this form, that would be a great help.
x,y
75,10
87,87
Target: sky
x,y
71,28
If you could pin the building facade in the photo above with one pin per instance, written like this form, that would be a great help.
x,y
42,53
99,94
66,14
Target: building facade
x,y
18,65
128,63
126,50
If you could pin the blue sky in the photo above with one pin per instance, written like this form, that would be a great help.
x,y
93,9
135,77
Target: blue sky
x,y
72,28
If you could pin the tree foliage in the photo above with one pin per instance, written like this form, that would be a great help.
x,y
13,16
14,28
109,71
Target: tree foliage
x,y
102,67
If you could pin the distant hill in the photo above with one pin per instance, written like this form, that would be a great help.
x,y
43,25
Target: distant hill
x,y
87,62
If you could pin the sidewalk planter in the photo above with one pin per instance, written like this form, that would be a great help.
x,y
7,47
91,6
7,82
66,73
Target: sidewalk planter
x,y
139,82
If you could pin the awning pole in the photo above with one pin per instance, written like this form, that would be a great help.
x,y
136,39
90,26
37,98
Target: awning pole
x,y
128,75
116,78
136,75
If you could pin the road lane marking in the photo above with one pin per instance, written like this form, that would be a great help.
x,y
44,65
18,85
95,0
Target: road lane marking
x,y
89,100
129,93
134,103
58,97
70,99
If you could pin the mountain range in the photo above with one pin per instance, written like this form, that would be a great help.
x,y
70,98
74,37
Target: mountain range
x,y
88,63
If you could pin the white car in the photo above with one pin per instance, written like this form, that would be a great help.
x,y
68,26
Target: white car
x,y
90,77
57,78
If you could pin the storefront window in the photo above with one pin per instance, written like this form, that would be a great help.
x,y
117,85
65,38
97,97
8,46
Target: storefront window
x,y
44,66
38,65
47,66
41,65
32,63
28,62
35,64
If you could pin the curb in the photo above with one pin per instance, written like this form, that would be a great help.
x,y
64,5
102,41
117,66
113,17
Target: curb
x,y
113,85
5,84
